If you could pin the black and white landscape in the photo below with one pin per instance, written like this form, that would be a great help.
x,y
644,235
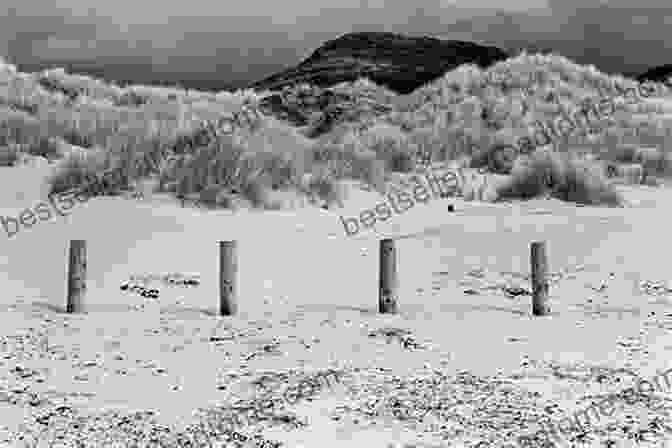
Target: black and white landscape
x,y
307,133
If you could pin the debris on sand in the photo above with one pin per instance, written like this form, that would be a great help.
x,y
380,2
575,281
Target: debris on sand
x,y
404,337
652,288
478,281
140,290
170,279
473,411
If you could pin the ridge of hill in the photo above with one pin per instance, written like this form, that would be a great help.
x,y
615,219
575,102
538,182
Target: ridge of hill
x,y
661,73
400,63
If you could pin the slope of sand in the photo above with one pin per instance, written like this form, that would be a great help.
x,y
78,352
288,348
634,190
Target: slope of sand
x,y
308,298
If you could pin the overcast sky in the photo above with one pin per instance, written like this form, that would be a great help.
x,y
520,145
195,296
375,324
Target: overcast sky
x,y
219,40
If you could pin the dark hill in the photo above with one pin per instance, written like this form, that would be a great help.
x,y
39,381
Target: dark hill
x,y
657,74
400,63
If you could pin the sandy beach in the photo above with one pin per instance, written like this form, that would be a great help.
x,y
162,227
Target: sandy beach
x,y
464,351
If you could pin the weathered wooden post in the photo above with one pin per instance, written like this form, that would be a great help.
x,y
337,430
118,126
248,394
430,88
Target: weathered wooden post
x,y
388,284
228,281
539,268
76,276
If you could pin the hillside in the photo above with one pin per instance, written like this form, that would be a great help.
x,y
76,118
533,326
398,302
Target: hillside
x,y
661,73
400,63
269,149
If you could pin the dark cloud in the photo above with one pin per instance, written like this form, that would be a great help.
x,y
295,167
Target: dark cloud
x,y
215,43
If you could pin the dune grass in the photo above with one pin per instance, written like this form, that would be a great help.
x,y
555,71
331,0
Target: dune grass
x,y
563,176
468,113
9,155
80,170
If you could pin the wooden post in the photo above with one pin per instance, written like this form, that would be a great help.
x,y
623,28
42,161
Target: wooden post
x,y
539,268
388,284
228,282
76,276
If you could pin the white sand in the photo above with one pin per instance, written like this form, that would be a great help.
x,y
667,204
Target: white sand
x,y
304,284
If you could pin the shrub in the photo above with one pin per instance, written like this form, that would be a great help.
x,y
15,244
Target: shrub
x,y
563,176
52,84
130,98
208,195
403,162
255,190
375,174
426,146
23,105
225,200
369,169
653,160
631,173
74,137
45,147
622,154
9,154
279,168
230,165
81,170
325,187
650,181
185,183
585,184
335,156
501,159
17,127
170,187
390,145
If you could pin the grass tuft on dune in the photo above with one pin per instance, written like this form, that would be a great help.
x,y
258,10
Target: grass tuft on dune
x,y
562,176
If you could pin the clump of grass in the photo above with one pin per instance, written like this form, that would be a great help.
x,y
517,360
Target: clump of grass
x,y
225,200
9,154
653,160
403,162
376,174
628,173
168,175
54,85
392,146
76,138
211,195
80,171
280,169
131,98
367,167
351,159
45,147
335,156
322,184
256,191
623,153
585,184
183,186
226,166
561,176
